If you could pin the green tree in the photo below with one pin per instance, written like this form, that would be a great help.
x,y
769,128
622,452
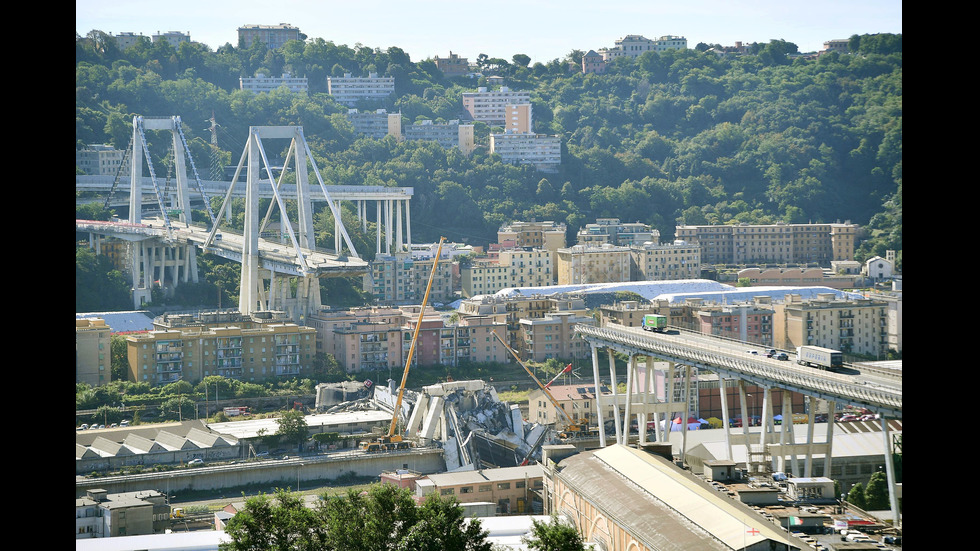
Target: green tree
x,y
876,494
442,526
856,496
279,523
118,357
554,536
293,428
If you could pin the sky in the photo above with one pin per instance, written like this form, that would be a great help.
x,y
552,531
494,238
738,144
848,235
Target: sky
x,y
542,29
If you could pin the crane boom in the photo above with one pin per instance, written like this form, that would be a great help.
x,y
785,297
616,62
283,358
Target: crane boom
x,y
543,387
411,350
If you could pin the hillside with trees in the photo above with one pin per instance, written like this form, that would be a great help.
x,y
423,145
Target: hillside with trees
x,y
682,136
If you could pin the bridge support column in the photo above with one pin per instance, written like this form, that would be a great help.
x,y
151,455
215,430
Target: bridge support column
x,y
725,418
598,396
831,408
890,473
615,394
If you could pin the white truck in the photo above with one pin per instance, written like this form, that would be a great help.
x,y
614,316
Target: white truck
x,y
823,358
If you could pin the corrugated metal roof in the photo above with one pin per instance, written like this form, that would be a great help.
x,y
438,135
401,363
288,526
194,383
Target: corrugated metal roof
x,y
661,505
486,475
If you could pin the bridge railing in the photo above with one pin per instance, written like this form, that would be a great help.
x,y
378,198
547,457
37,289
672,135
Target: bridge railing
x,y
826,383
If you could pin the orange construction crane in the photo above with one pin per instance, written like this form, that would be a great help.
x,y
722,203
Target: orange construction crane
x,y
393,441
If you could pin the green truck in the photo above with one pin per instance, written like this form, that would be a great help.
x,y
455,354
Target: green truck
x,y
654,322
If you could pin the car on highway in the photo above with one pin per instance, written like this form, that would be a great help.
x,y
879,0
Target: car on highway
x,y
782,356
195,462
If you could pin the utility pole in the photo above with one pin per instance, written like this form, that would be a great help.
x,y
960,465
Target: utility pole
x,y
216,170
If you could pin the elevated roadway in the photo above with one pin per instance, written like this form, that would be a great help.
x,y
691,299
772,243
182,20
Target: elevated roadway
x,y
274,256
731,359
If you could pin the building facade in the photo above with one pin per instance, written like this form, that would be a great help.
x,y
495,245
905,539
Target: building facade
x,y
376,124
654,261
514,490
539,150
614,232
519,118
174,38
580,264
592,62
553,336
772,243
100,160
742,322
263,84
858,326
452,66
400,279
191,353
273,36
93,352
491,106
634,45
100,514
348,90
448,135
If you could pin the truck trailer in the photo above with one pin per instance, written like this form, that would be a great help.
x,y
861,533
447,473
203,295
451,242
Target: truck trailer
x,y
654,322
823,358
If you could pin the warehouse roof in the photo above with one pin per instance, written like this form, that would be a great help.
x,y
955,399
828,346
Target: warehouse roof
x,y
661,505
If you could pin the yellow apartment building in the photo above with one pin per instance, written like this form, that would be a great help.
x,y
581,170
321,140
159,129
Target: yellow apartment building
x,y
192,353
581,264
92,352
858,326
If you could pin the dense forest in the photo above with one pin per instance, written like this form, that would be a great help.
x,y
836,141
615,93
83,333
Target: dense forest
x,y
677,137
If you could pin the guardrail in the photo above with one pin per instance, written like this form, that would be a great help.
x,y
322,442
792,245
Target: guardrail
x,y
837,386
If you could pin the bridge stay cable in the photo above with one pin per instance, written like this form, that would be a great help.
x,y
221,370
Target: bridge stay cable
x,y
282,207
197,177
338,223
153,180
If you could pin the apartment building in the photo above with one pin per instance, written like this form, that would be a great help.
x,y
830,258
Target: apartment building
x,y
541,151
654,261
100,160
750,322
512,268
515,490
273,36
491,106
472,340
365,345
628,313
448,135
401,279
553,336
519,118
348,90
376,124
614,232
452,66
840,45
580,264
797,276
510,310
858,326
174,38
592,62
100,514
276,349
263,84
576,401
93,352
126,39
772,243
546,235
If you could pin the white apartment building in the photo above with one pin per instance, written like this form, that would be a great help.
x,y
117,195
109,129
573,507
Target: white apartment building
x,y
666,261
376,124
539,150
448,135
348,89
513,268
581,264
126,39
634,45
174,38
491,106
100,160
263,84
